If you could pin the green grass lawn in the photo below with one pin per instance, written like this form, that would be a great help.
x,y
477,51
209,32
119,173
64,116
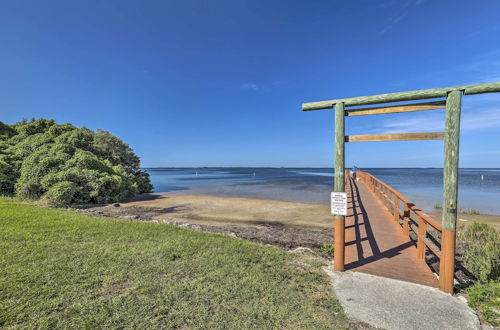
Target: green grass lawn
x,y
61,269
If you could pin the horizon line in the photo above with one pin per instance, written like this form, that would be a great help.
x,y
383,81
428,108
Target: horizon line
x,y
316,167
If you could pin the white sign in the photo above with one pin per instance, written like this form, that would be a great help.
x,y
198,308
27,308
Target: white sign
x,y
339,203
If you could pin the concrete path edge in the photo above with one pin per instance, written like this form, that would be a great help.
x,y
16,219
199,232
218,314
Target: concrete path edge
x,y
392,304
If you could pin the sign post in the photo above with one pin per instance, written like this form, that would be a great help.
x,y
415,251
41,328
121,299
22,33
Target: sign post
x,y
339,187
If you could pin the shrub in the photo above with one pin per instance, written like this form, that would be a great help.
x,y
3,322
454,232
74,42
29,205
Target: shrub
x,y
66,164
143,182
82,138
60,194
115,150
484,297
469,211
481,251
8,177
29,190
56,130
328,249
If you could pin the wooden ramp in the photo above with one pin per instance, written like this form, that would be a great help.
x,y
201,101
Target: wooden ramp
x,y
375,243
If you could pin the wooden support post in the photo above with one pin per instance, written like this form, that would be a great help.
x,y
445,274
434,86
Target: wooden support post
x,y
396,209
450,190
406,219
422,234
389,197
339,186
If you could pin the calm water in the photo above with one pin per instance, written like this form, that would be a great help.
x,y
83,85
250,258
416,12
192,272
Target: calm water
x,y
313,185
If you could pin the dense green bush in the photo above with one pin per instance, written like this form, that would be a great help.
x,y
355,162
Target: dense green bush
x,y
63,164
62,193
481,251
480,245
485,298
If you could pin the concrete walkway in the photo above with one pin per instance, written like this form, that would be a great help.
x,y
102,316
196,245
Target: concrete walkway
x,y
392,304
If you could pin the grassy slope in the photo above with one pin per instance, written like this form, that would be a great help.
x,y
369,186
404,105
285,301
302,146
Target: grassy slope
x,y
61,269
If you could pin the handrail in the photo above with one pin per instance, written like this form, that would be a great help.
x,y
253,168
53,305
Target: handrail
x,y
391,199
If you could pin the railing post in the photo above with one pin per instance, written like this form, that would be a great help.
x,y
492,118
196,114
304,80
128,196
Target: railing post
x,y
422,233
396,209
406,219
389,204
386,197
450,190
339,186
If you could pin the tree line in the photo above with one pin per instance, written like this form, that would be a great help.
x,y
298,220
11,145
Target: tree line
x,y
63,164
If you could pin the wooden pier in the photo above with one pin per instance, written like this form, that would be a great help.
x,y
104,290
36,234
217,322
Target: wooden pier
x,y
368,238
376,241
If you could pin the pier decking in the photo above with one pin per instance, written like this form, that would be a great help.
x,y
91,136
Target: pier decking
x,y
376,244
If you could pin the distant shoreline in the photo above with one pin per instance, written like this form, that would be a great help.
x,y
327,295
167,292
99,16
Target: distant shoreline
x,y
316,168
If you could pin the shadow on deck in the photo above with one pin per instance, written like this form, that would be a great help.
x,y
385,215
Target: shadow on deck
x,y
375,243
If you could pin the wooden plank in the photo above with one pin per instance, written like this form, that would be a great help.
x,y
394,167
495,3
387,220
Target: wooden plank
x,y
397,108
430,221
404,96
431,246
395,137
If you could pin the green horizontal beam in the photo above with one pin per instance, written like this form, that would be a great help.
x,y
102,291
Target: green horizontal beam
x,y
395,137
404,96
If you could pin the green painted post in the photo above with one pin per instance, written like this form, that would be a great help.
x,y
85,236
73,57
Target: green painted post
x,y
339,185
450,190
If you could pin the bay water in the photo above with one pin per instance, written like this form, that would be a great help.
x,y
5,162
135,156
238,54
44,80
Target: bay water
x,y
478,188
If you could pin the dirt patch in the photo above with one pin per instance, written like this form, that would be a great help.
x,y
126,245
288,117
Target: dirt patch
x,y
468,219
284,224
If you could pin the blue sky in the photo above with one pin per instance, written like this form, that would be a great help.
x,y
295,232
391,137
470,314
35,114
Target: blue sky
x,y
221,83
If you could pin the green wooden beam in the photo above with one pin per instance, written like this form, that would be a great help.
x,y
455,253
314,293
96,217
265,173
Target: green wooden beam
x,y
381,110
451,148
339,168
404,96
395,137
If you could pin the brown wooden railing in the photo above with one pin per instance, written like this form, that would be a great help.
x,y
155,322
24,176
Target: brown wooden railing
x,y
414,222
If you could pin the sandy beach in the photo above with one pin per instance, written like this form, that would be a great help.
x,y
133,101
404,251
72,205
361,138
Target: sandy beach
x,y
286,224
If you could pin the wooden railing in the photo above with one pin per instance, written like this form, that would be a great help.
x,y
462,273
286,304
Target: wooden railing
x,y
414,222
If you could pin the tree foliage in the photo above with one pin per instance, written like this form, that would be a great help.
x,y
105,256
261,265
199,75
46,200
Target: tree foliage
x,y
64,164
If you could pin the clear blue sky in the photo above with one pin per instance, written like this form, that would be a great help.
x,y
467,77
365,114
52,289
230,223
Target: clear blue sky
x,y
221,83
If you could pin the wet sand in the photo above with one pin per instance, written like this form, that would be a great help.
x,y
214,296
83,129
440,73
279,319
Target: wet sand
x,y
285,224
468,219
211,209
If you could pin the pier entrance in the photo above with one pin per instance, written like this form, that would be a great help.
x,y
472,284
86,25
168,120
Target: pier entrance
x,y
383,232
